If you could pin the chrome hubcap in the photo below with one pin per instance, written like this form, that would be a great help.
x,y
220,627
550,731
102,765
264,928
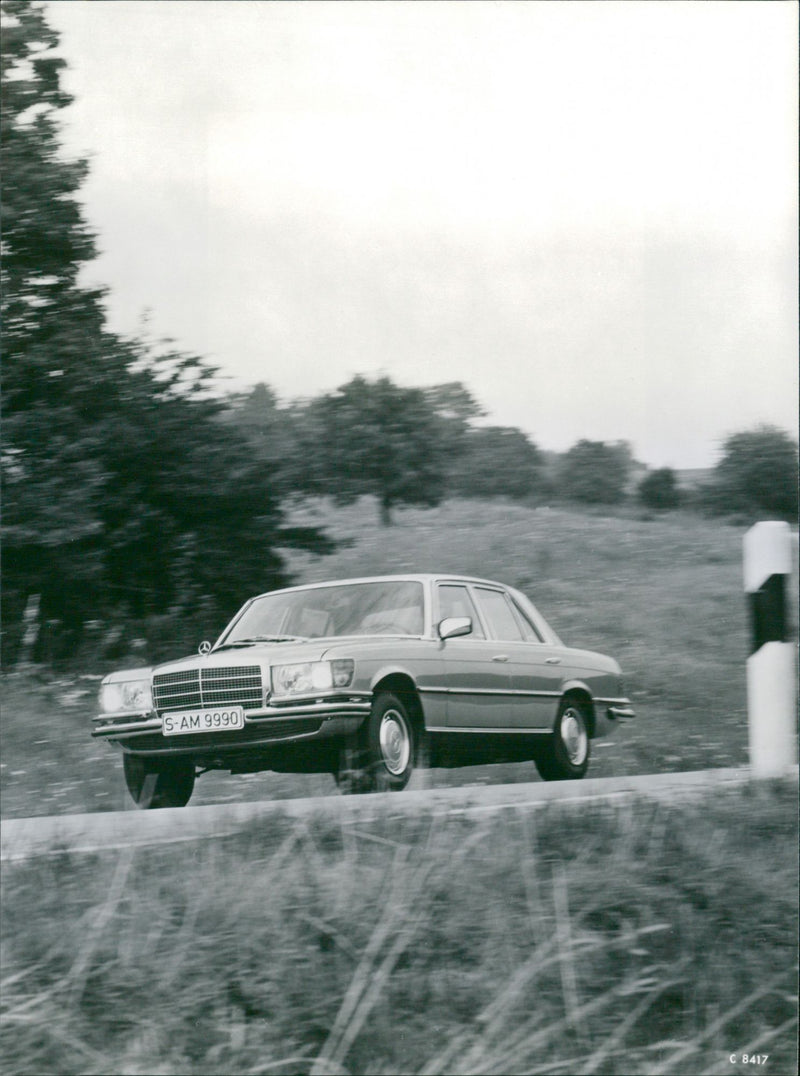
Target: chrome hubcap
x,y
574,736
395,742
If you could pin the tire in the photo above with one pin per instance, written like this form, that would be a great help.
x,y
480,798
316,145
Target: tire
x,y
350,774
566,754
158,782
382,755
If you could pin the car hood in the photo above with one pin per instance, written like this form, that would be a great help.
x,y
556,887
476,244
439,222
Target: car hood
x,y
257,654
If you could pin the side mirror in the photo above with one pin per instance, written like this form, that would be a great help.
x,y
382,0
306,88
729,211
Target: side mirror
x,y
452,626
204,647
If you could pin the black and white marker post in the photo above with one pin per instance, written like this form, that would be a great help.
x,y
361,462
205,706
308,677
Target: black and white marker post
x,y
771,665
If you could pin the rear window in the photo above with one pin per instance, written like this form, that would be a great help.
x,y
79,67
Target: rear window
x,y
529,629
498,614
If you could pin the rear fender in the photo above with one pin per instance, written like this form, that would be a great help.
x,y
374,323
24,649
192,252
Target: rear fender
x,y
578,689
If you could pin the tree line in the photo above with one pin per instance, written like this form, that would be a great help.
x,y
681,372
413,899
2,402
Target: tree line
x,y
134,490
416,446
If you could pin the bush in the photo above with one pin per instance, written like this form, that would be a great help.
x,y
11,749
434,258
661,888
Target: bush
x,y
757,475
496,461
595,472
658,489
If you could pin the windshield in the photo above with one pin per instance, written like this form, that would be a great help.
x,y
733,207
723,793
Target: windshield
x,y
388,608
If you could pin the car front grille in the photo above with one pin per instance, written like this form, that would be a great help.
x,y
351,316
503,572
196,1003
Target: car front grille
x,y
192,689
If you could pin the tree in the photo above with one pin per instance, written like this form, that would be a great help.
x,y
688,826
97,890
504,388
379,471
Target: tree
x,y
124,491
455,409
279,438
595,472
374,437
52,327
756,475
658,489
496,461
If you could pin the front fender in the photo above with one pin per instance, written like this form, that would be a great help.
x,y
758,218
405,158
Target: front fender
x,y
395,669
432,704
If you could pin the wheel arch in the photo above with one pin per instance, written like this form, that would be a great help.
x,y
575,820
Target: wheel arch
x,y
401,683
579,692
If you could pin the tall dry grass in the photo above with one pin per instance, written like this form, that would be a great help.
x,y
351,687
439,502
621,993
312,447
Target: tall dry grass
x,y
642,938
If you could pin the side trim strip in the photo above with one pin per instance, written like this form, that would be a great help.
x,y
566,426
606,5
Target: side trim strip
x,y
496,731
488,691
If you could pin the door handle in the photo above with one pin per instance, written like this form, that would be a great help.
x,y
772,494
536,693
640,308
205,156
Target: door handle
x,y
500,657
552,661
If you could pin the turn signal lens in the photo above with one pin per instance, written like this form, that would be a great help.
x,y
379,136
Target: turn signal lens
x,y
343,670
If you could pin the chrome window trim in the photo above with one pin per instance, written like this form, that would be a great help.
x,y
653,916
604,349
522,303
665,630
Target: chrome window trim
x,y
468,588
420,580
549,636
520,614
504,595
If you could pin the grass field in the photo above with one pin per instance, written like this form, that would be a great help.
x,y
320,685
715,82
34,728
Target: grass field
x,y
662,594
636,938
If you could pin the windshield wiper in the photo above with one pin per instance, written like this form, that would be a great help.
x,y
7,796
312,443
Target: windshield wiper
x,y
262,639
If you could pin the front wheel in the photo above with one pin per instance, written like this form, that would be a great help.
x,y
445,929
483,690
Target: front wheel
x,y
566,754
155,783
382,755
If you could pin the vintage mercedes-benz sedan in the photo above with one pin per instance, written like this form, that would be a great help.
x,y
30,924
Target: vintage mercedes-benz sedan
x,y
365,679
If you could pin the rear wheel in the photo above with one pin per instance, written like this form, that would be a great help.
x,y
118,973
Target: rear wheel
x,y
155,783
382,754
565,757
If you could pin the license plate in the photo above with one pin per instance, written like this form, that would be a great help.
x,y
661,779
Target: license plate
x,y
183,722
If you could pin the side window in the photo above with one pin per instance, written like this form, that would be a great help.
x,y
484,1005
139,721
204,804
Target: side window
x,y
455,601
498,615
529,630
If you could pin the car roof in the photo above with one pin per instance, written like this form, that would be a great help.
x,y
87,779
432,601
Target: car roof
x,y
413,577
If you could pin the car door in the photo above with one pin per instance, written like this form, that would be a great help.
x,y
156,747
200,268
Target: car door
x,y
534,667
475,678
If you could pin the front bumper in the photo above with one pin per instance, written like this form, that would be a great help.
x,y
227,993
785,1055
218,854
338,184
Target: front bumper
x,y
610,714
303,718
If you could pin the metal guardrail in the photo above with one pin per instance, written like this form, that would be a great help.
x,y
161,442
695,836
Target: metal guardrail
x,y
23,838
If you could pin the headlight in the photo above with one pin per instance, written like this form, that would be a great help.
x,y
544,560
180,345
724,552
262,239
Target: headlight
x,y
311,676
126,695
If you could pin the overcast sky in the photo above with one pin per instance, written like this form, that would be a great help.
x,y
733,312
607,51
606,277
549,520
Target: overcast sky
x,y
586,212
